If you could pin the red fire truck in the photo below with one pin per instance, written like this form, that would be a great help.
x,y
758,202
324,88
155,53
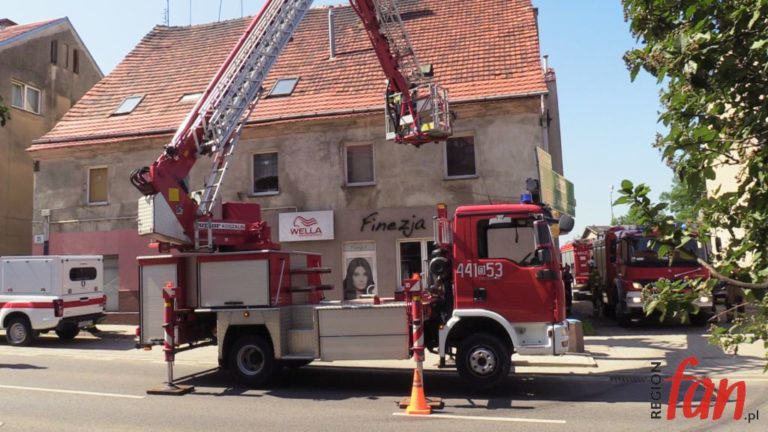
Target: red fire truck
x,y
627,260
494,285
578,253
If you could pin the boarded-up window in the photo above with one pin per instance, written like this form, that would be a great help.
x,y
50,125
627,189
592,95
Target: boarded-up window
x,y
360,165
97,185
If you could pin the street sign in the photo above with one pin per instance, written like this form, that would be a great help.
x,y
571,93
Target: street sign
x,y
556,190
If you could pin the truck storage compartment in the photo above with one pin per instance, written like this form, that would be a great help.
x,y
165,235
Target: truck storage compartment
x,y
363,332
234,283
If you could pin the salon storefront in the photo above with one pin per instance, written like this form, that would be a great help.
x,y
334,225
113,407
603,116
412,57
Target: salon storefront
x,y
384,246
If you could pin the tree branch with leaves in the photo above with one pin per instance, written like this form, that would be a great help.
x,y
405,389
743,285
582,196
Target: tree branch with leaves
x,y
712,59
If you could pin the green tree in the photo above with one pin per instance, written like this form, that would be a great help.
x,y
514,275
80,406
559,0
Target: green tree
x,y
633,217
5,115
684,201
711,56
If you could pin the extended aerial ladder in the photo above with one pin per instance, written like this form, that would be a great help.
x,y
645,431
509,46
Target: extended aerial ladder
x,y
416,112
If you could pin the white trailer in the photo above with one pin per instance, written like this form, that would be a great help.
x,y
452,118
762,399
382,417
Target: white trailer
x,y
43,293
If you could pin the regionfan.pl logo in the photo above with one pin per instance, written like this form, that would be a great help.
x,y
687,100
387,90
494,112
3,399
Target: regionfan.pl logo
x,y
714,399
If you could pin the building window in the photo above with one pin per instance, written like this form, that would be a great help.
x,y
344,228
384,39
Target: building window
x,y
413,256
359,165
359,269
25,97
284,87
65,52
97,185
76,61
54,52
265,178
128,105
460,157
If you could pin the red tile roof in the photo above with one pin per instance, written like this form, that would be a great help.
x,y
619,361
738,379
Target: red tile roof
x,y
15,32
488,49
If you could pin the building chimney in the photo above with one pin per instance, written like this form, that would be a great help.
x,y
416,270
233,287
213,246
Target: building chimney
x,y
5,22
331,34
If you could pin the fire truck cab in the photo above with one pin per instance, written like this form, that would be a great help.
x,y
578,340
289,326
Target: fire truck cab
x,y
627,260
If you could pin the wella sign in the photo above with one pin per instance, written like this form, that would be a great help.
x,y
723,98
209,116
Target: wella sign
x,y
306,226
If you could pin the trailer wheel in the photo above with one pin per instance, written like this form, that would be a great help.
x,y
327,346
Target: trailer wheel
x,y
483,361
19,331
67,332
252,360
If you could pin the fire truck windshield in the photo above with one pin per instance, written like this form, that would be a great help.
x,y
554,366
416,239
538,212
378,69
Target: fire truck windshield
x,y
644,251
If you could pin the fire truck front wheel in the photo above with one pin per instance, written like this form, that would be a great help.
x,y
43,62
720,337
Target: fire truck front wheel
x,y
483,361
18,331
252,360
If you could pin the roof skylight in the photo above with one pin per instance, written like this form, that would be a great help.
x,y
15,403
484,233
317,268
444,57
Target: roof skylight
x,y
128,105
190,97
284,87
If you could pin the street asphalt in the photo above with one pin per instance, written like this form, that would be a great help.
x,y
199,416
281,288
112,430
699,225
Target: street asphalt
x,y
99,382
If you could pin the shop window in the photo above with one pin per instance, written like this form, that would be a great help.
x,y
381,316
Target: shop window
x,y
460,157
359,270
413,257
359,165
97,185
265,175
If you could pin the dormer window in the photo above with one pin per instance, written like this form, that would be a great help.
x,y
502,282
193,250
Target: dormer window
x,y
284,87
128,105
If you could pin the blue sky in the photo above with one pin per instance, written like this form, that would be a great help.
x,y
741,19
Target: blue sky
x,y
608,123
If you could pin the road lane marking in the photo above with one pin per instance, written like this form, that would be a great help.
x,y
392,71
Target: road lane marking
x,y
77,392
498,419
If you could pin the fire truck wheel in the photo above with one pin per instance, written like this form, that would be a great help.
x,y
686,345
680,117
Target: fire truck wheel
x,y
252,360
483,361
67,332
19,331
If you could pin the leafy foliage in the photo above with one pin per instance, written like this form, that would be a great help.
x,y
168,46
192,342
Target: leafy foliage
x,y
5,115
684,201
712,58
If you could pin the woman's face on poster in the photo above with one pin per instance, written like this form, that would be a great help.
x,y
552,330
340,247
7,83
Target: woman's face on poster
x,y
360,278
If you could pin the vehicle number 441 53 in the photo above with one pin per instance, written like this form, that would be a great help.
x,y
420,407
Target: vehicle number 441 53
x,y
491,270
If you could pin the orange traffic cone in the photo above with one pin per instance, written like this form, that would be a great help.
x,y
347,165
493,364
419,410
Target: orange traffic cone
x,y
418,404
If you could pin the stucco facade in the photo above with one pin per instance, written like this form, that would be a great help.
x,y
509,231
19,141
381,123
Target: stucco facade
x,y
26,60
409,181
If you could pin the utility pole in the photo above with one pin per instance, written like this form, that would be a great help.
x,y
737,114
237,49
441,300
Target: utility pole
x,y
611,197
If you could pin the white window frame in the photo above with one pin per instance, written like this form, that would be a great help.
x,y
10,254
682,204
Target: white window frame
x,y
445,158
24,88
88,186
253,174
424,253
346,165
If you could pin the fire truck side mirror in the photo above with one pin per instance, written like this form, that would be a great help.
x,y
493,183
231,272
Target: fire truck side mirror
x,y
566,224
541,233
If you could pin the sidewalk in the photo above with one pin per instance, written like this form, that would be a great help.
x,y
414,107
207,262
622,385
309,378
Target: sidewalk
x,y
614,352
